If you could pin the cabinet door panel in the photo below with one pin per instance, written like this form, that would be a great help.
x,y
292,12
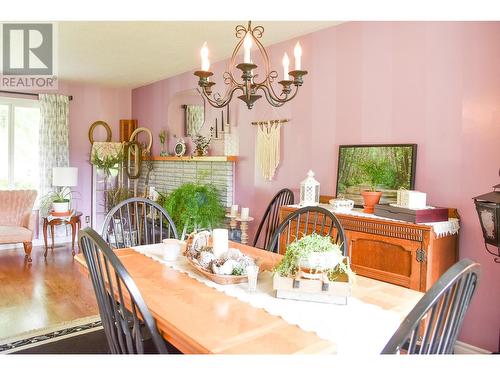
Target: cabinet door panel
x,y
387,259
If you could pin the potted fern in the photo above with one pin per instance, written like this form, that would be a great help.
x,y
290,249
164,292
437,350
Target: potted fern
x,y
194,206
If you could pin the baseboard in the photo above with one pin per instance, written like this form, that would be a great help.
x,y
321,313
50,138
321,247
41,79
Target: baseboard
x,y
463,348
38,242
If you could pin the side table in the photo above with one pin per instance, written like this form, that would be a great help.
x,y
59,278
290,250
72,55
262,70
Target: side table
x,y
75,221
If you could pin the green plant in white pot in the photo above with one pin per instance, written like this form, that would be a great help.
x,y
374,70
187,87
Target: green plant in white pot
x,y
58,201
315,256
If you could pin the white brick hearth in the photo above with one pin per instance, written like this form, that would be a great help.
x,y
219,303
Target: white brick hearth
x,y
168,175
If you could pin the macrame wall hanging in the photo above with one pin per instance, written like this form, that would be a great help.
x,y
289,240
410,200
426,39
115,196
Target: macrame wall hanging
x,y
267,147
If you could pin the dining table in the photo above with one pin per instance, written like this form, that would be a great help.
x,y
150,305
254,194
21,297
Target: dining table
x,y
198,318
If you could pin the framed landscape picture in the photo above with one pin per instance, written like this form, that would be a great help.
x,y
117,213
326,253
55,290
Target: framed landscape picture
x,y
385,168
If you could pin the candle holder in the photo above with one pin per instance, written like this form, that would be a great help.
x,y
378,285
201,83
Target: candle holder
x,y
232,222
287,89
244,228
246,68
203,75
297,76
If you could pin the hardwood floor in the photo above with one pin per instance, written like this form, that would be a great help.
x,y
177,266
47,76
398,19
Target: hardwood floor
x,y
44,292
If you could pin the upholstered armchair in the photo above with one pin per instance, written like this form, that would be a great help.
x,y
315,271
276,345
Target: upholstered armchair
x,y
16,219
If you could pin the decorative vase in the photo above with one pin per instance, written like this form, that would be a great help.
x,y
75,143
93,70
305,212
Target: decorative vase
x,y
199,152
370,199
163,152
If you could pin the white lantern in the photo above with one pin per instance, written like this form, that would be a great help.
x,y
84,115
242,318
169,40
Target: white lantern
x,y
309,191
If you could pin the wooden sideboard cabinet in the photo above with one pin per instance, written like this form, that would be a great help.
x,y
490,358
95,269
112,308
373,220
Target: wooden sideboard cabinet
x,y
401,253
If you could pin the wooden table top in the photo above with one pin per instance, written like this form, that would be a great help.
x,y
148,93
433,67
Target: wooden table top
x,y
198,319
58,220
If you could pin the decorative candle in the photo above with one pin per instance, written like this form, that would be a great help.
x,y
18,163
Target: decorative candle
x,y
244,213
220,242
286,64
247,46
205,62
234,210
297,52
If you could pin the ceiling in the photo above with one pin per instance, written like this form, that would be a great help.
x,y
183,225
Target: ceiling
x,y
136,53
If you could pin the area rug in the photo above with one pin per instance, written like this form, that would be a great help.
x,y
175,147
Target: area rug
x,y
83,335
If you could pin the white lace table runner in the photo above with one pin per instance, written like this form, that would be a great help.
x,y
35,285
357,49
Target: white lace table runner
x,y
441,228
355,328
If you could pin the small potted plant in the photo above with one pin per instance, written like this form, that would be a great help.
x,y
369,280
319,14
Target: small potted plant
x,y
201,144
56,201
194,206
109,163
313,269
378,173
313,257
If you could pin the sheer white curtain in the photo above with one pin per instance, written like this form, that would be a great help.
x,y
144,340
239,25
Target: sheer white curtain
x,y
54,137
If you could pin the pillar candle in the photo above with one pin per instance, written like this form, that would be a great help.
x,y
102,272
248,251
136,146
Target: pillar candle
x,y
220,242
234,210
244,213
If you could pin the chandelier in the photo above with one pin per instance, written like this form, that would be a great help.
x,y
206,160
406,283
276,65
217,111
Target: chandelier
x,y
251,84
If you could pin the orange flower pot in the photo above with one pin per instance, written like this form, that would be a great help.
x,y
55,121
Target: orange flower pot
x,y
370,199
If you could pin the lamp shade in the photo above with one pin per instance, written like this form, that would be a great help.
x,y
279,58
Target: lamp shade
x,y
64,176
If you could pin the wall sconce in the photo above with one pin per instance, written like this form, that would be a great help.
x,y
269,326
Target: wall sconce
x,y
488,210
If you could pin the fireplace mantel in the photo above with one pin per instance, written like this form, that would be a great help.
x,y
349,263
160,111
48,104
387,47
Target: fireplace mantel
x,y
216,158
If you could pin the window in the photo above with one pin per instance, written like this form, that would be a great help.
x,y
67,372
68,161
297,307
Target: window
x,y
19,124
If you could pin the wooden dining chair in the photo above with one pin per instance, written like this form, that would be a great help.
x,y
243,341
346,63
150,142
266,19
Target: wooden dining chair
x,y
271,217
126,319
433,325
137,221
308,220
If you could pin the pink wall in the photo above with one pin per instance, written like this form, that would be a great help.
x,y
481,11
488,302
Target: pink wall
x,y
436,84
91,103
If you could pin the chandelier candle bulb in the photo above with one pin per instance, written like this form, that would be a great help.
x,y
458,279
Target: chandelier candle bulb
x,y
286,65
247,46
234,210
297,52
245,211
220,242
205,62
